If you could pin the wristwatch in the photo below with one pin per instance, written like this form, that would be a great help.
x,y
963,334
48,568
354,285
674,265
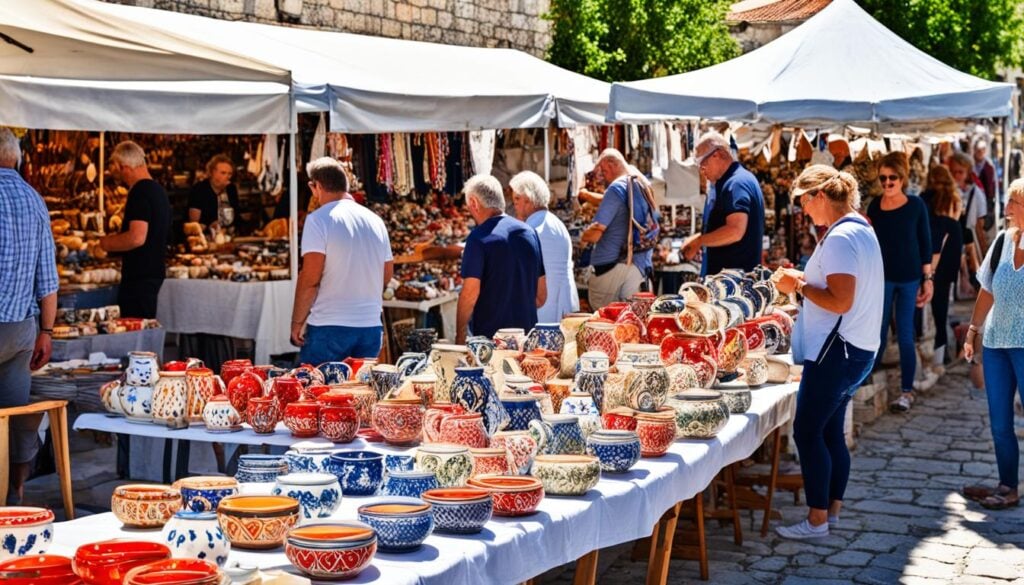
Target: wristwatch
x,y
927,277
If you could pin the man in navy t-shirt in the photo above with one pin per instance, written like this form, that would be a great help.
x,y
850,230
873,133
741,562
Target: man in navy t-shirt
x,y
502,267
733,214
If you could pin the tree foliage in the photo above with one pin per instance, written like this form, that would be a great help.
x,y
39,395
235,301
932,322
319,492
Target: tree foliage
x,y
624,40
975,36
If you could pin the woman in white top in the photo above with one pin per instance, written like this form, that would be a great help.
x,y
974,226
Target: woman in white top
x,y
835,338
1000,312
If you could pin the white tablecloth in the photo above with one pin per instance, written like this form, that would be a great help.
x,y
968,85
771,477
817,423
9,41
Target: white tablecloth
x,y
260,311
621,508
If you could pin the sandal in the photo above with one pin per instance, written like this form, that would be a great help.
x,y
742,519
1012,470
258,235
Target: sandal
x,y
978,492
1003,498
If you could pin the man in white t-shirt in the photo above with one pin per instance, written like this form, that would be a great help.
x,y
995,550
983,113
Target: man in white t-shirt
x,y
346,262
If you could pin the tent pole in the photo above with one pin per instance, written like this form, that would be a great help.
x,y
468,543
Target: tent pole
x,y
293,197
102,221
1006,167
547,154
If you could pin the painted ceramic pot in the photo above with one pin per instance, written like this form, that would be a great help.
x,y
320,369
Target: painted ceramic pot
x,y
335,372
137,403
628,327
384,379
755,336
196,535
463,429
778,370
490,461
558,434
257,468
302,458
617,451
619,419
410,484
695,292
202,385
567,360
319,494
773,335
537,366
612,310
600,336
399,421
567,475
482,349
463,510
257,522
615,389
592,383
736,395
641,303
755,369
521,448
421,340
109,561
302,418
363,396
584,407
546,336
339,424
423,386
512,495
262,415
220,416
361,369
668,304
688,348
657,432
473,391
558,390
700,414
402,524
452,465
411,364
242,388
231,369
204,493
307,375
706,370
332,551
170,400
435,415
661,325
109,398
631,354
647,387
694,320
734,349
30,570
285,390
730,314
444,359
712,316
572,328
510,339
144,506
176,572
521,409
360,472
143,369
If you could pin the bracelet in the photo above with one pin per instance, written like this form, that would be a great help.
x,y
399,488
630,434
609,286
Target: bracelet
x,y
926,278
972,327
800,284
46,331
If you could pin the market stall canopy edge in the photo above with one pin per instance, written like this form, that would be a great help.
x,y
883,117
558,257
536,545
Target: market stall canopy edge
x,y
841,65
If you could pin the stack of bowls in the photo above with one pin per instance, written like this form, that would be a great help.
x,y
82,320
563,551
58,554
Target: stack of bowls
x,y
260,468
460,510
38,570
402,524
337,550
105,563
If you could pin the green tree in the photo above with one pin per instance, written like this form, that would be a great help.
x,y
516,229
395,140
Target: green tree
x,y
975,36
624,40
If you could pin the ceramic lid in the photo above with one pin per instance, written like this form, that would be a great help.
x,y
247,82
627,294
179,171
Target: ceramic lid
x,y
307,479
698,395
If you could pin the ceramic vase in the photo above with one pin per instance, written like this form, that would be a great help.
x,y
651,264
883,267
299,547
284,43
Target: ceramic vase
x,y
600,336
474,392
137,403
196,535
452,465
143,369
521,409
231,369
444,359
647,387
546,336
170,400
243,387
202,385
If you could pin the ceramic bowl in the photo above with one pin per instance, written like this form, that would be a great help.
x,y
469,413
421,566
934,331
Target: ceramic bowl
x,y
617,450
24,531
38,570
410,484
196,535
360,472
567,475
393,463
656,431
137,403
107,562
402,524
700,414
257,522
513,495
309,460
145,506
451,464
336,550
400,421
203,493
319,494
736,395
260,468
175,572
462,510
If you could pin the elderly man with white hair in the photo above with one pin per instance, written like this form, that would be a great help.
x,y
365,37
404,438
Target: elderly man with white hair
x,y
733,231
531,197
502,267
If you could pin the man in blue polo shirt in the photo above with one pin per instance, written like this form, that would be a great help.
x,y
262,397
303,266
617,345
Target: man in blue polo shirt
x,y
733,214
502,267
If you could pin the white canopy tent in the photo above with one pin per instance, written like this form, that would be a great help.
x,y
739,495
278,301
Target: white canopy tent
x,y
839,66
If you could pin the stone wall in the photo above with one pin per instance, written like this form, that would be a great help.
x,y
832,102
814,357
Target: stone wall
x,y
514,24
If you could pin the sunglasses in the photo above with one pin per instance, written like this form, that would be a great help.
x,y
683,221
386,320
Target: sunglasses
x,y
888,178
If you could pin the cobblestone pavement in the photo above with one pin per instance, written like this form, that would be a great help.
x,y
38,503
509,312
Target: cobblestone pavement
x,y
904,520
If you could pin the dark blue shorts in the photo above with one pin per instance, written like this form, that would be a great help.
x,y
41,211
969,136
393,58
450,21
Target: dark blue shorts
x,y
331,343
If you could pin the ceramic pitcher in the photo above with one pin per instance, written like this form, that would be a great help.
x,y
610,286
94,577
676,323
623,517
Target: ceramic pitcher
x,y
444,358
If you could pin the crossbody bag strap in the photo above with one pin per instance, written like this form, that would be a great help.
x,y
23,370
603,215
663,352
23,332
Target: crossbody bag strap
x,y
629,224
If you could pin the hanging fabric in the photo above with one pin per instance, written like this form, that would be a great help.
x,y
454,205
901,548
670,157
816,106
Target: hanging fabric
x,y
481,145
319,147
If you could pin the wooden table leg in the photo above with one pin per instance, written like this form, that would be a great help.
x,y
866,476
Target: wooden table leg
x,y
5,459
776,448
702,545
62,456
730,484
661,546
586,569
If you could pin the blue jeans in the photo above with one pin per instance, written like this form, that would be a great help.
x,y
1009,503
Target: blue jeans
x,y
825,391
901,296
1004,375
330,343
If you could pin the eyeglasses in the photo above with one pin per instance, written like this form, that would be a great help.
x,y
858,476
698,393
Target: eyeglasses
x,y
701,160
888,178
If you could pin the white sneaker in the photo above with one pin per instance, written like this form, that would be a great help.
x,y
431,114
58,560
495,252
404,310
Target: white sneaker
x,y
902,404
833,522
803,530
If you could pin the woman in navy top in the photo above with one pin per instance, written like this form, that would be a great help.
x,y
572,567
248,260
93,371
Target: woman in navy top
x,y
944,203
901,224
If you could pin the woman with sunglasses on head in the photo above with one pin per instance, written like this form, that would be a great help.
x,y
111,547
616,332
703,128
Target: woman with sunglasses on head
x,y
835,337
999,311
902,226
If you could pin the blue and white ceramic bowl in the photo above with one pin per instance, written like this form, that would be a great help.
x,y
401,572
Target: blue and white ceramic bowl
x,y
196,535
203,494
410,484
402,524
24,531
260,468
393,463
335,372
618,451
462,510
308,460
319,494
360,472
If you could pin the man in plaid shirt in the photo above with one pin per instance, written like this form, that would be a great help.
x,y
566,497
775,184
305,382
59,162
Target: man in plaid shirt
x,y
28,301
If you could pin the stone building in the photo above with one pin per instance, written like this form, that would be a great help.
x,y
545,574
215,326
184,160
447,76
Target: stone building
x,y
515,24
754,23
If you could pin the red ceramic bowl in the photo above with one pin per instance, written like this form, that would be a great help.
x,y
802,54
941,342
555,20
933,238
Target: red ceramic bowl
x,y
175,572
108,562
338,550
657,432
41,569
514,495
175,366
302,418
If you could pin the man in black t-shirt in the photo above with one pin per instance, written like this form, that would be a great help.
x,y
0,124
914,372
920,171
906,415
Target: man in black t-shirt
x,y
143,237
